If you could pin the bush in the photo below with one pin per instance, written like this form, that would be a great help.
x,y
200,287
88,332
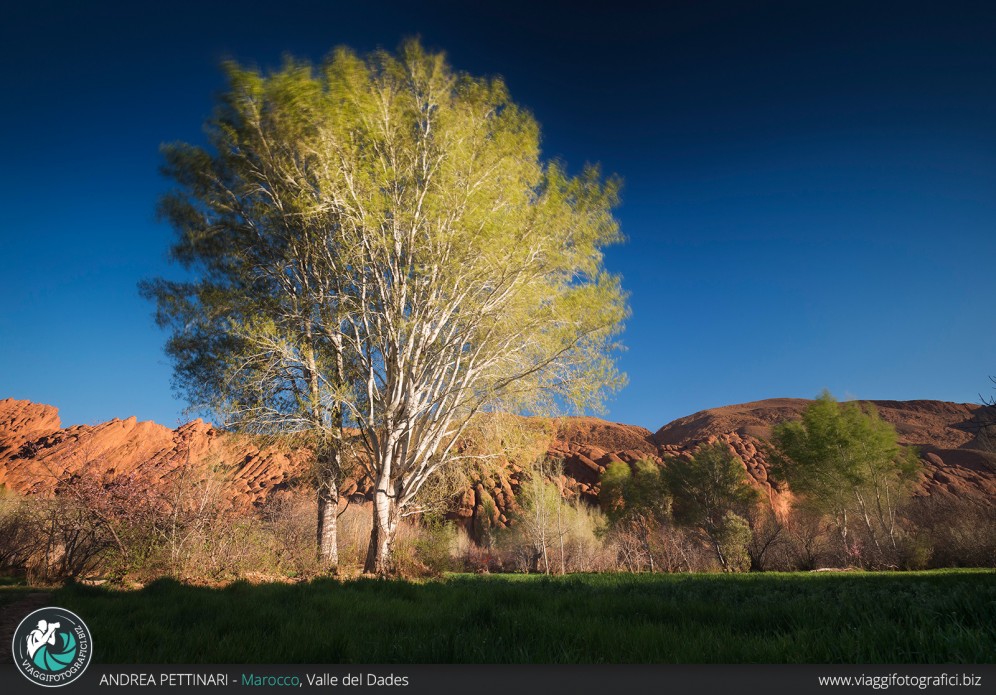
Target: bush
x,y
72,541
19,533
551,534
732,540
290,520
951,532
436,547
768,539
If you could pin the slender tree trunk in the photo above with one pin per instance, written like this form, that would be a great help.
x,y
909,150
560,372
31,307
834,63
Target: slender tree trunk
x,y
643,529
560,531
719,553
541,519
328,512
328,462
886,513
842,528
868,523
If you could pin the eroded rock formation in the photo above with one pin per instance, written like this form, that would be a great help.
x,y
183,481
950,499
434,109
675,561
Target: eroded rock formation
x,y
35,452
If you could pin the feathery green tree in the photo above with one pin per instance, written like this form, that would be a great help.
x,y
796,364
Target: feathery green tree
x,y
636,502
376,244
844,460
711,492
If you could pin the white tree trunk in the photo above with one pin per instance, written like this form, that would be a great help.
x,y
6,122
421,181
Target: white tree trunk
x,y
328,512
379,559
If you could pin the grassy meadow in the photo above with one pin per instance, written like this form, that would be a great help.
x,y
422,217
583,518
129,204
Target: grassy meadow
x,y
13,591
935,617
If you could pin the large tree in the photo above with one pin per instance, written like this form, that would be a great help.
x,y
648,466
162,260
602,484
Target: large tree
x,y
376,244
844,460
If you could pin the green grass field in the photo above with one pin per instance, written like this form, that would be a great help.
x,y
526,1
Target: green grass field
x,y
13,590
619,618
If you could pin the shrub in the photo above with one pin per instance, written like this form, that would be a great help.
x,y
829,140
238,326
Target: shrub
x,y
19,534
72,541
768,538
732,540
552,534
436,546
957,532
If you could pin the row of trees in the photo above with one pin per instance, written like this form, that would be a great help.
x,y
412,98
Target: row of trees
x,y
707,493
851,506
375,253
842,462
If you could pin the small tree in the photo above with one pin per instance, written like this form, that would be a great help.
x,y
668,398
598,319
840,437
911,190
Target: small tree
x,y
636,503
845,461
540,516
711,492
767,535
549,533
733,539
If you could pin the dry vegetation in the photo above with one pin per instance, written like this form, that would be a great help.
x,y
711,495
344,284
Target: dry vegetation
x,y
123,530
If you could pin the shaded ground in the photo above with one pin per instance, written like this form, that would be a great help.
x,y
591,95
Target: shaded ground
x,y
933,617
16,601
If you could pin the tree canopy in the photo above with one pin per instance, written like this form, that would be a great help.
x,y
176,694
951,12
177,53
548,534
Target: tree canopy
x,y
709,485
845,460
627,493
711,492
376,243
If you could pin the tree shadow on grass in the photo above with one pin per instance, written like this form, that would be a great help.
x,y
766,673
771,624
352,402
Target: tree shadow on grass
x,y
854,618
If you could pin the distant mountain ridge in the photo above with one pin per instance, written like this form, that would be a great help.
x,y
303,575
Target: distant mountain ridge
x,y
35,451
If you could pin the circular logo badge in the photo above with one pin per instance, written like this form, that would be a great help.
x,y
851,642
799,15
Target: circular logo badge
x,y
52,647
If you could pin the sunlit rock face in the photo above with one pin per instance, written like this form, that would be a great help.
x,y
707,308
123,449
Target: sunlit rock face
x,y
35,452
958,459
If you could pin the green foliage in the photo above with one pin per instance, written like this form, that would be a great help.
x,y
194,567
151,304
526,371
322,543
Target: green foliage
x,y
836,448
845,461
484,522
538,523
375,242
611,495
732,540
627,492
711,493
638,508
707,486
434,546
549,533
387,187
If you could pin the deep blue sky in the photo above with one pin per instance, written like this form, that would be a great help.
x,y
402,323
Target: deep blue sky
x,y
810,187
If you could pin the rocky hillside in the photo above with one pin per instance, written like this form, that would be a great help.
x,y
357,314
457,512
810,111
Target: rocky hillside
x,y
35,452
952,444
